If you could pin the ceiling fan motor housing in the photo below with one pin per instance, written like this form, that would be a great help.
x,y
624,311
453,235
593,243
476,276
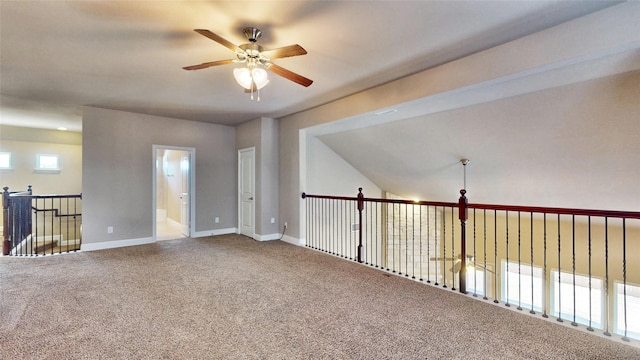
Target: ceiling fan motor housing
x,y
252,33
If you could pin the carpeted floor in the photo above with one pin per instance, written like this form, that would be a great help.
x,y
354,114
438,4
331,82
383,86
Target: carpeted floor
x,y
229,297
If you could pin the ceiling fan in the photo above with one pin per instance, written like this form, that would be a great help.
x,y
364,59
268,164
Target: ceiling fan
x,y
457,263
253,76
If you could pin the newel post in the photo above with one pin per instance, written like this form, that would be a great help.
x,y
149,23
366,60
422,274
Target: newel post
x,y
360,208
6,244
462,215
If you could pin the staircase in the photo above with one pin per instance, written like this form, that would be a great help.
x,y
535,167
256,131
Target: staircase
x,y
56,246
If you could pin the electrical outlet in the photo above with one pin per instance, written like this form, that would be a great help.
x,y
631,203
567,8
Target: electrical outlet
x,y
285,224
216,220
273,220
109,229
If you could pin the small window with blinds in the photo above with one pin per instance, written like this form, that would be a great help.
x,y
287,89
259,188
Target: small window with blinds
x,y
5,160
47,163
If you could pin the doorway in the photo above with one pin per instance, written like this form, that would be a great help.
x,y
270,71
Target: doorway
x,y
246,192
172,192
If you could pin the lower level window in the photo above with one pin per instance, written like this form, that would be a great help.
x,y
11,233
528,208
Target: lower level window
x,y
475,281
629,315
522,285
571,302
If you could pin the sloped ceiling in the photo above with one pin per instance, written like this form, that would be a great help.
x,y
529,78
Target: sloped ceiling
x,y
128,55
571,146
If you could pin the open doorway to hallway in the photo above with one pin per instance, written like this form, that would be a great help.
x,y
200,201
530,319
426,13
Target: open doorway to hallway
x,y
172,192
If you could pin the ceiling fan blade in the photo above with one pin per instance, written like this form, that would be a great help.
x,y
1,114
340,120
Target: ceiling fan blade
x,y
442,258
481,267
287,74
219,40
286,51
208,64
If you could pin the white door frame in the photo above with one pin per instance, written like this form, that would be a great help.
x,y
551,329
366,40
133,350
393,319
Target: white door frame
x,y
192,186
253,181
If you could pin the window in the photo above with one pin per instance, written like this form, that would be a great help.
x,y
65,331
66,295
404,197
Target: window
x,y
632,310
47,162
5,160
562,298
520,285
476,285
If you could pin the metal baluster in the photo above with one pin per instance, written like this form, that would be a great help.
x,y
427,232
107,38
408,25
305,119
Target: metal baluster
x,y
420,237
413,243
393,238
559,277
475,277
507,270
406,242
67,218
444,244
350,241
589,246
328,225
495,256
484,241
338,227
606,276
531,258
435,223
453,252
53,219
429,246
367,237
573,265
400,237
519,267
624,275
318,223
376,232
544,269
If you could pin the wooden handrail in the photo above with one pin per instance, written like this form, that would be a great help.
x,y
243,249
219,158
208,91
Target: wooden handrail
x,y
559,211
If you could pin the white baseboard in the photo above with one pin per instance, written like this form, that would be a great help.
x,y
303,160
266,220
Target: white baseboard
x,y
267,237
294,241
214,232
115,244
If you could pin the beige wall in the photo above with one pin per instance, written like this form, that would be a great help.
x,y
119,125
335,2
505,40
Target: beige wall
x,y
24,144
118,172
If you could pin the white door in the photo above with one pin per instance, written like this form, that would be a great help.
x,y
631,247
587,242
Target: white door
x,y
184,196
246,189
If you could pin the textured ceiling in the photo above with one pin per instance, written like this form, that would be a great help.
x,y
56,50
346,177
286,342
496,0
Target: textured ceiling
x,y
57,56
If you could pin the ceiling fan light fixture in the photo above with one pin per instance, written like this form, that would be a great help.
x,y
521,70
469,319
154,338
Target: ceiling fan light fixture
x,y
259,76
243,77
